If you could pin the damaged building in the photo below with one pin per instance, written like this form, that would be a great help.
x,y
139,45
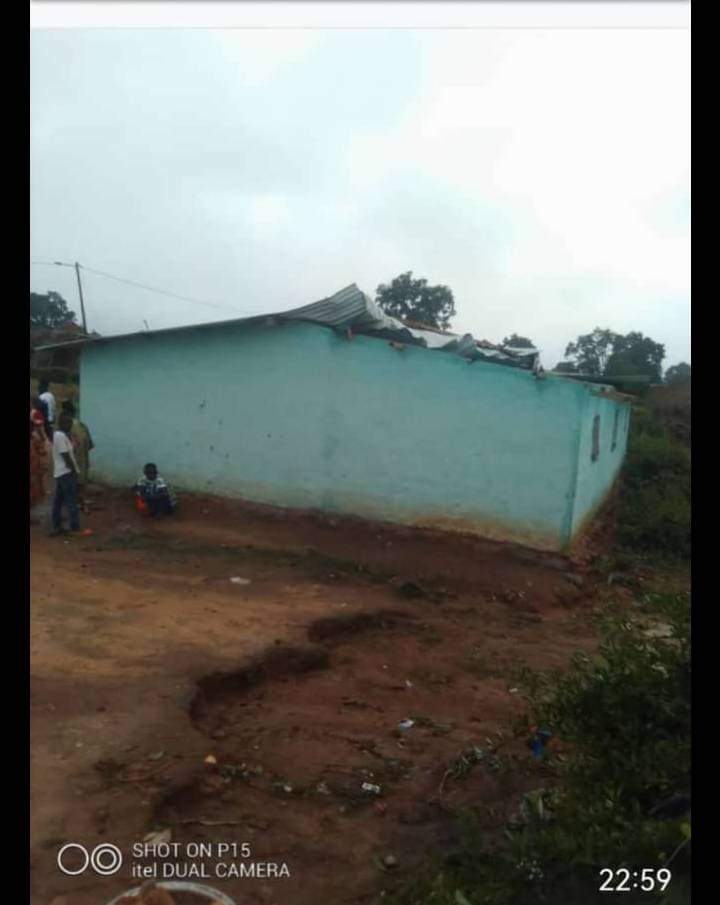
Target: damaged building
x,y
337,407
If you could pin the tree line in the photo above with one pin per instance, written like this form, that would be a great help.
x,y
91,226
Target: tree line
x,y
49,311
600,353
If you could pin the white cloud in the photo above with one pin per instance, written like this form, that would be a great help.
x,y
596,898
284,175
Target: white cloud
x,y
578,138
259,54
543,175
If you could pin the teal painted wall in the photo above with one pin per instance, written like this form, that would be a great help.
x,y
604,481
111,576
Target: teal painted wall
x,y
296,415
595,478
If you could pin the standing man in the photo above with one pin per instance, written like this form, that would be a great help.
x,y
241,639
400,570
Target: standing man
x,y
47,398
82,445
65,471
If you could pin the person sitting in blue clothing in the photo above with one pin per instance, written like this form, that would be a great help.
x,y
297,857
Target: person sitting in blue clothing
x,y
155,493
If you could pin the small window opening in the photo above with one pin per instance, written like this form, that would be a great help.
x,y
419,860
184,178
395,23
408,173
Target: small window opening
x,y
596,438
616,424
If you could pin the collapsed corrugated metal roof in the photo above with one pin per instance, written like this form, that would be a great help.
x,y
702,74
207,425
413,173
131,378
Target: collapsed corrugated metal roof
x,y
351,309
354,310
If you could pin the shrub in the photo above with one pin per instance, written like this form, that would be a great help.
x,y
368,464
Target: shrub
x,y
654,505
624,716
626,711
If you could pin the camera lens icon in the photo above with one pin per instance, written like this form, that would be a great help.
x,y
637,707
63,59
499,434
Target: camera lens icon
x,y
105,859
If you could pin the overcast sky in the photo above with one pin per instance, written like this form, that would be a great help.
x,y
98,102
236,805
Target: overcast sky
x,y
542,175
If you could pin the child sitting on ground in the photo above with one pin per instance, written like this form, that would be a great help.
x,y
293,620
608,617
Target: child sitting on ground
x,y
154,492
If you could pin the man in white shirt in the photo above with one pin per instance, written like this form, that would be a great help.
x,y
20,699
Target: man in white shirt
x,y
46,397
65,471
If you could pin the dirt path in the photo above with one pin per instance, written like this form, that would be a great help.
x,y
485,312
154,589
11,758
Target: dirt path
x,y
147,659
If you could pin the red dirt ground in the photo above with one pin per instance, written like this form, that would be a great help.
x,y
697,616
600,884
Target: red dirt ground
x,y
147,659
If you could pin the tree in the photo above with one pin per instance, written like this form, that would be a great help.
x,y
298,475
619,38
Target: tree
x,y
565,367
49,311
410,299
678,374
603,353
518,342
590,353
635,354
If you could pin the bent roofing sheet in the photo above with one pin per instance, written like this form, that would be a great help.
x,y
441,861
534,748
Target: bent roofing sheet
x,y
352,309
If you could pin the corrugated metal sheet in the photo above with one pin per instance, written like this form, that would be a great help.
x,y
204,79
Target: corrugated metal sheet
x,y
352,309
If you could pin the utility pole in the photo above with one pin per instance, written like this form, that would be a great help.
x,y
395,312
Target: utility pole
x,y
82,301
76,267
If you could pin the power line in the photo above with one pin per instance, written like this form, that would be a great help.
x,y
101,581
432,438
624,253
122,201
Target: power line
x,y
76,268
138,285
184,298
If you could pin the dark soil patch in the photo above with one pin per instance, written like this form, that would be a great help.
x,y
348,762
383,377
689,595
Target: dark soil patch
x,y
275,663
339,626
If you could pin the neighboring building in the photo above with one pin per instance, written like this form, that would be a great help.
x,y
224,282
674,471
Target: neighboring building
x,y
54,353
337,407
